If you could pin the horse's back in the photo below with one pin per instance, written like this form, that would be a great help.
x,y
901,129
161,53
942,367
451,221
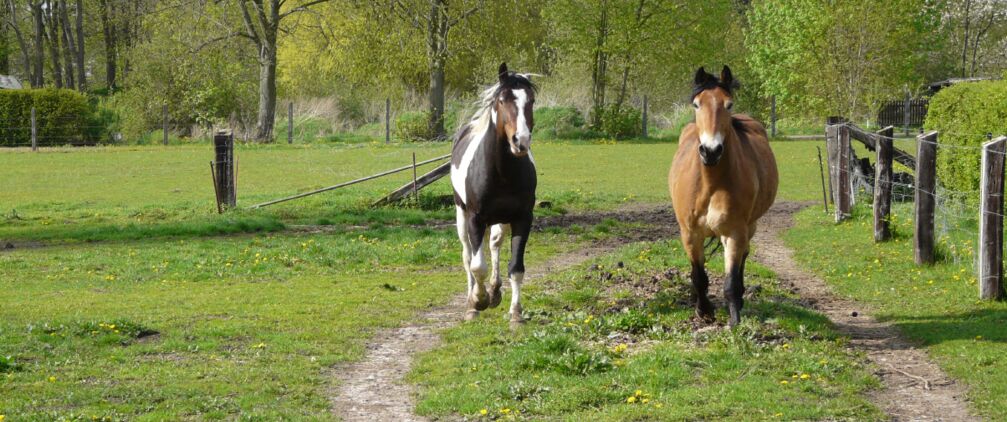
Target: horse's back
x,y
753,136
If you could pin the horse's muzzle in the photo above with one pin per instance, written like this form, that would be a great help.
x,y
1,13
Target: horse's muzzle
x,y
711,156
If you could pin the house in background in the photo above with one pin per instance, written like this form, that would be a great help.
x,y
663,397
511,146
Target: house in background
x,y
9,82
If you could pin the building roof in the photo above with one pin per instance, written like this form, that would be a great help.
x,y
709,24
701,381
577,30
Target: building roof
x,y
9,82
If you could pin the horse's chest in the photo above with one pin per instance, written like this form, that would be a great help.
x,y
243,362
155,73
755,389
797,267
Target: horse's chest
x,y
716,216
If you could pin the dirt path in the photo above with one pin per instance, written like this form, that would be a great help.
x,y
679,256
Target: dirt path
x,y
374,390
915,389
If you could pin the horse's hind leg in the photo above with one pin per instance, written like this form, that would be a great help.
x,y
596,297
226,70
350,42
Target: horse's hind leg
x,y
519,238
735,255
693,244
497,234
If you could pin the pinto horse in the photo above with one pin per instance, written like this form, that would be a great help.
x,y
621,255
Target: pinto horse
x,y
722,180
493,176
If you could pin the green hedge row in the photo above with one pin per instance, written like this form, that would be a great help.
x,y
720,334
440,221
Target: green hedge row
x,y
963,114
62,117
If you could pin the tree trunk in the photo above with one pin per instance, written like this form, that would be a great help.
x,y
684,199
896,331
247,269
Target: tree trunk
x,y
38,61
81,72
51,33
600,68
965,36
267,94
69,44
437,40
26,62
110,45
5,45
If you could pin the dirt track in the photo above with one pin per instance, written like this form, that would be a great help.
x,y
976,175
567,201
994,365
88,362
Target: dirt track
x,y
914,388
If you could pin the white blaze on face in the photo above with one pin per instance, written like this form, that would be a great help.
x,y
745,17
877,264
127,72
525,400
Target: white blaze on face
x,y
523,132
711,140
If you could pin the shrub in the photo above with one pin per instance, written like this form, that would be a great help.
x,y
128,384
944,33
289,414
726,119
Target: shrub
x,y
620,122
963,114
559,123
62,117
413,126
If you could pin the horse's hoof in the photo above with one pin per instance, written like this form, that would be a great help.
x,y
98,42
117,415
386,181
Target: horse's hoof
x,y
516,324
471,314
495,297
482,303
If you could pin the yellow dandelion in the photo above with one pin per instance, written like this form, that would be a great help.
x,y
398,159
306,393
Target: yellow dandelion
x,y
52,379
484,412
979,337
784,382
505,411
805,376
645,401
631,399
658,405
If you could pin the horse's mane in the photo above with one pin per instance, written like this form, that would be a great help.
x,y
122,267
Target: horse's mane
x,y
482,117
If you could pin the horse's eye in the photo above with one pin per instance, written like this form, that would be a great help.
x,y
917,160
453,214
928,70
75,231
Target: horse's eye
x,y
729,105
695,105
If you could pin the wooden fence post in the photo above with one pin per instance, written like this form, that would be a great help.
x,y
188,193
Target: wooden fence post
x,y
290,122
164,123
388,120
644,122
905,113
838,146
772,117
883,185
991,220
925,198
223,145
34,131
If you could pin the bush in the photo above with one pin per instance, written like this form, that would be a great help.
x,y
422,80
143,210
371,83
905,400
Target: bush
x,y
559,123
62,117
963,114
620,122
413,126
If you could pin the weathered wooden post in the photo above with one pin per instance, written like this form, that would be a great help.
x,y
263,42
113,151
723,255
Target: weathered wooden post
x,y
991,220
772,117
644,122
223,145
838,147
290,122
34,131
883,185
388,120
925,197
164,123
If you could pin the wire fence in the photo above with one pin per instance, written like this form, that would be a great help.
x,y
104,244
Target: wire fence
x,y
958,228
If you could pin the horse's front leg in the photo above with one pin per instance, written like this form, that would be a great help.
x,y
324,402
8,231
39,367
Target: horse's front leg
x,y
478,299
497,234
519,238
735,255
693,244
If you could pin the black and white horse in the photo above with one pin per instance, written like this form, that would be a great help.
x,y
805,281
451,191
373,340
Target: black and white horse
x,y
493,175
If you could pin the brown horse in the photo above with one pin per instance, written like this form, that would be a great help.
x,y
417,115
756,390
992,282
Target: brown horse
x,y
723,179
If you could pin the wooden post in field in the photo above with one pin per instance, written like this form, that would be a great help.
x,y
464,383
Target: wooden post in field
x,y
223,146
644,122
34,131
388,120
883,185
772,117
925,198
905,113
991,220
838,146
416,189
164,123
290,122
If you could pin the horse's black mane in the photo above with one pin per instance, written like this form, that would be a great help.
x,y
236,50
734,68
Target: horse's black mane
x,y
516,80
705,81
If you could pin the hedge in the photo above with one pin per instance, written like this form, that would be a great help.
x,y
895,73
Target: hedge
x,y
963,114
62,117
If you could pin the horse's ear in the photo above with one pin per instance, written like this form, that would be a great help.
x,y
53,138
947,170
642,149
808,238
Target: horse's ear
x,y
503,71
727,79
701,76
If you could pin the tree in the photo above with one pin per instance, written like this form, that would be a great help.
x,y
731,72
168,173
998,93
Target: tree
x,y
262,19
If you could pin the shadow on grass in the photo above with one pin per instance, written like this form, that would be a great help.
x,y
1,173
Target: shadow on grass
x,y
982,324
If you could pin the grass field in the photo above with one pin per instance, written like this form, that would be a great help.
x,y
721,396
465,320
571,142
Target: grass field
x,y
177,313
935,305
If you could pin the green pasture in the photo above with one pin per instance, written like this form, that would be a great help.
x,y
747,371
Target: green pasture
x,y
127,297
